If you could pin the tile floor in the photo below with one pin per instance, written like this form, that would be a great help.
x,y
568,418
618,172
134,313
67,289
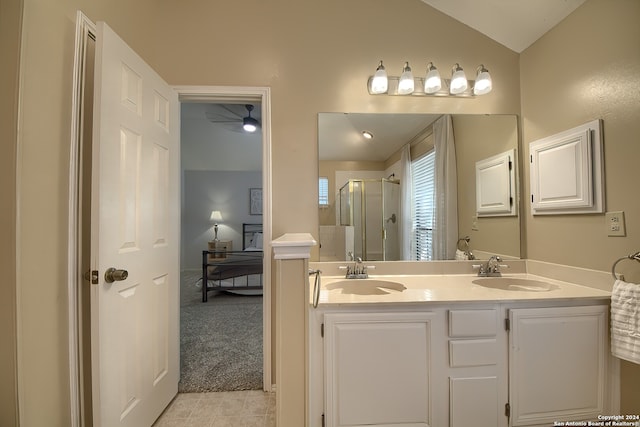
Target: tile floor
x,y
253,408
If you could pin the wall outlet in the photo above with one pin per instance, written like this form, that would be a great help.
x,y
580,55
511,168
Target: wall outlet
x,y
614,222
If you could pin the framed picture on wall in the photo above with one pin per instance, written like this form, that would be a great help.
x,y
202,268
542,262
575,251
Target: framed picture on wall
x,y
255,201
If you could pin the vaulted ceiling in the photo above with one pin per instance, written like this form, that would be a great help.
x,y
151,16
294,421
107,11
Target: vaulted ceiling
x,y
515,24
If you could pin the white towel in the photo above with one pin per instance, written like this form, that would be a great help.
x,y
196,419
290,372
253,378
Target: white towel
x,y
461,256
625,321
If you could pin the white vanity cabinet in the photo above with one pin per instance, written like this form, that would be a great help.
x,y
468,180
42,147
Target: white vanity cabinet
x,y
458,365
378,369
557,363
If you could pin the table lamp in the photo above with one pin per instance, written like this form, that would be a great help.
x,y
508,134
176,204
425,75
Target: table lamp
x,y
216,216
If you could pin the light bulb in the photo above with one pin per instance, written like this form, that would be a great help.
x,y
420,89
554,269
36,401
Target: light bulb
x,y
380,82
458,80
432,82
405,86
483,82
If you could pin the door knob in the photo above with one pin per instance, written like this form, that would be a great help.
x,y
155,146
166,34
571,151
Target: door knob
x,y
112,275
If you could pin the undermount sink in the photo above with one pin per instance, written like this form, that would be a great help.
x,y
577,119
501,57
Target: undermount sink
x,y
366,286
514,284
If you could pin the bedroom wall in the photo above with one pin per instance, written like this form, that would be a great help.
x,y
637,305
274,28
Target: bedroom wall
x,y
205,191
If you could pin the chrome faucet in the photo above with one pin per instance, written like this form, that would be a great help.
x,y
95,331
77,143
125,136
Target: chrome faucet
x,y
491,268
358,270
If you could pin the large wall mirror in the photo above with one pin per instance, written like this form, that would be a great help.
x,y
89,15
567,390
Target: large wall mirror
x,y
361,186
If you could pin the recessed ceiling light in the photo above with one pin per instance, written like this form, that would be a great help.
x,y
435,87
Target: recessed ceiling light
x,y
367,134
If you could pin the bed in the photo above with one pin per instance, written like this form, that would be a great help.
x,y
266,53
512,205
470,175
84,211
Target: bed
x,y
235,271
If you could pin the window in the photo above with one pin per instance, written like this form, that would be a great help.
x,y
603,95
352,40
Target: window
x,y
423,182
323,191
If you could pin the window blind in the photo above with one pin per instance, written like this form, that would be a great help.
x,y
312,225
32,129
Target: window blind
x,y
423,181
323,191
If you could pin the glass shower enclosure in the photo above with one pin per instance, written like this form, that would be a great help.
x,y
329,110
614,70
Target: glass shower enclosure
x,y
371,207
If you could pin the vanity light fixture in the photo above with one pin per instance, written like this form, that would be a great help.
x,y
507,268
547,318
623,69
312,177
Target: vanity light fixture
x,y
379,83
432,81
458,80
367,135
432,84
483,81
406,84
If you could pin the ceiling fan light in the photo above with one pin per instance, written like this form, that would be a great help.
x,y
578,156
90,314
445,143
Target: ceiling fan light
x,y
406,84
458,80
380,81
249,124
432,82
483,82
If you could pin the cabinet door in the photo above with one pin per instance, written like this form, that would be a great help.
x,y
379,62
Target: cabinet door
x,y
377,369
557,362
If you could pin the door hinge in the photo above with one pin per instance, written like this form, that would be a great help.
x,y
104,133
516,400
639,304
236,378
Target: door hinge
x,y
510,165
507,324
507,410
322,330
322,420
532,198
92,277
531,158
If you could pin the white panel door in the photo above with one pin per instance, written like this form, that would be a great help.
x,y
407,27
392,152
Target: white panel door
x,y
135,227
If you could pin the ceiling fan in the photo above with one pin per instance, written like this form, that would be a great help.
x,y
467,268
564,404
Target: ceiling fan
x,y
220,113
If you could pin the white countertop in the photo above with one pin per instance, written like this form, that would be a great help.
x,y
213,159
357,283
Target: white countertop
x,y
444,288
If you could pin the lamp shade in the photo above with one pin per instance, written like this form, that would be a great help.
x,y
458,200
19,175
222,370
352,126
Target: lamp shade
x,y
216,216
406,84
432,81
380,81
483,82
458,80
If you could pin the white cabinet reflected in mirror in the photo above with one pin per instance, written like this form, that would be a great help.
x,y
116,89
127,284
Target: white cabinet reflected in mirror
x,y
363,217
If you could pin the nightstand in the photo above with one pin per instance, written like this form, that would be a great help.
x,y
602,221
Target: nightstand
x,y
221,247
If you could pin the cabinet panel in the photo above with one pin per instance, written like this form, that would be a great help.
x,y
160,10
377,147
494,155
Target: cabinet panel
x,y
557,363
474,402
472,323
473,353
377,369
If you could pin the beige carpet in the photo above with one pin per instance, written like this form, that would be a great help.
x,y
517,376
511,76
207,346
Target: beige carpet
x,y
220,340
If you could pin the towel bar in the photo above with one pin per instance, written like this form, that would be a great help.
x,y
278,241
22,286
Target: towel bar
x,y
635,256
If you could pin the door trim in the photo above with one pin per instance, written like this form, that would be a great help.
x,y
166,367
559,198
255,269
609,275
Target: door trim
x,y
85,29
246,94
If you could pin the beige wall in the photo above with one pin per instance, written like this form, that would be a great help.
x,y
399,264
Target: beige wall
x,y
586,68
10,22
315,55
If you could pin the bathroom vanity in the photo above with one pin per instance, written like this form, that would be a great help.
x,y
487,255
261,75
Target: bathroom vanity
x,y
457,350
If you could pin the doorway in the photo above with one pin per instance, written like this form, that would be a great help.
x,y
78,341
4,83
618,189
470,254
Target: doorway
x,y
221,337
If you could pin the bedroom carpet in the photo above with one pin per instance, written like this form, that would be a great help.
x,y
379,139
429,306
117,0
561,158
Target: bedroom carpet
x,y
220,340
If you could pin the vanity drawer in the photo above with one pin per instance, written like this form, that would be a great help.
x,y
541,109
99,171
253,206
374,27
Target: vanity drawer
x,y
473,353
472,323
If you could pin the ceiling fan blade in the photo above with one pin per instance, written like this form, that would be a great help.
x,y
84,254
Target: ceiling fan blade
x,y
221,118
